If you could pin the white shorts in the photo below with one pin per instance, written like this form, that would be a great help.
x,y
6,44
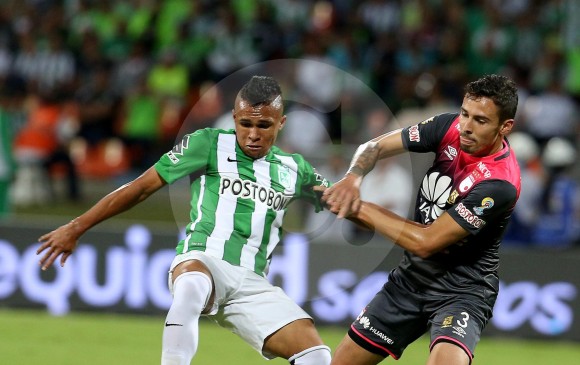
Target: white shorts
x,y
245,302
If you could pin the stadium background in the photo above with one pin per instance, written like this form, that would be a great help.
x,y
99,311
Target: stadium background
x,y
92,92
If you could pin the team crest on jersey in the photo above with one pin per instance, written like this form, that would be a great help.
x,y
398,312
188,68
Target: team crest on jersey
x,y
486,203
452,197
447,322
284,176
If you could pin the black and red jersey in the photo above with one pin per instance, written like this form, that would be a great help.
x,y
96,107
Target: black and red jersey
x,y
479,193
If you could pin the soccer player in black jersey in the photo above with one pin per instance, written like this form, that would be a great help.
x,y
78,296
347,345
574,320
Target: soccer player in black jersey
x,y
447,281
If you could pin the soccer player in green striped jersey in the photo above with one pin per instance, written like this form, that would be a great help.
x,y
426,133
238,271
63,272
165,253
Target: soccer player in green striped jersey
x,y
237,209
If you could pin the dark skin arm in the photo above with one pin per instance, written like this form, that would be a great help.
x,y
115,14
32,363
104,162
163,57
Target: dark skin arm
x,y
63,240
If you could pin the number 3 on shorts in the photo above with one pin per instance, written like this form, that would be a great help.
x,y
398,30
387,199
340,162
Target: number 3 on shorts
x,y
463,321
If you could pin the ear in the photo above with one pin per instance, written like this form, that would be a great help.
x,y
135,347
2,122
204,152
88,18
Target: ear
x,y
282,122
506,128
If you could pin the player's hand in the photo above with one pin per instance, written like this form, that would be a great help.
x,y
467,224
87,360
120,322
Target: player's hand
x,y
343,198
62,241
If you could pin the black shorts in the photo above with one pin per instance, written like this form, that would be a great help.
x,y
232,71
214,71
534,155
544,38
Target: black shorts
x,y
399,314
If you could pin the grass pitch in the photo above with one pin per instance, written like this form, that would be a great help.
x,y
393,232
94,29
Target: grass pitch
x,y
29,337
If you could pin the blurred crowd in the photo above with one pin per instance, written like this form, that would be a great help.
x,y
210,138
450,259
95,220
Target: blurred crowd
x,y
100,88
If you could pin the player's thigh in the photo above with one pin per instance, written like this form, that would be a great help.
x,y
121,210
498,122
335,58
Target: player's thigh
x,y
392,320
445,353
258,310
350,353
225,277
460,324
292,339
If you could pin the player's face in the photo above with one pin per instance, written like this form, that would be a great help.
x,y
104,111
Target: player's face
x,y
481,131
257,126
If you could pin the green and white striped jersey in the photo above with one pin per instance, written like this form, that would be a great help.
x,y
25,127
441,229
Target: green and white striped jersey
x,y
238,203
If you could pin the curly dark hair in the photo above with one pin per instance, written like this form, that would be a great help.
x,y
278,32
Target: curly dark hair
x,y
500,89
260,90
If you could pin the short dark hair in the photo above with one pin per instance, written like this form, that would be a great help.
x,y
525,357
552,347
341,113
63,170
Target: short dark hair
x,y
500,89
260,90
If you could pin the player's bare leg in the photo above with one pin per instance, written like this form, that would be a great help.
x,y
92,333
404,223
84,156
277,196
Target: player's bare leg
x,y
300,343
448,354
349,353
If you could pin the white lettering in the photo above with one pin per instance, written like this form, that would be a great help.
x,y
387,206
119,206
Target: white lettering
x,y
55,294
292,267
137,238
484,170
334,303
545,307
414,135
88,288
468,216
8,266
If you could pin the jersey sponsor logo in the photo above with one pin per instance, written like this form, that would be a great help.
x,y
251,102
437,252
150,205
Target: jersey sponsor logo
x,y
247,189
414,135
435,192
468,216
366,323
451,152
477,174
178,149
467,183
486,203
484,170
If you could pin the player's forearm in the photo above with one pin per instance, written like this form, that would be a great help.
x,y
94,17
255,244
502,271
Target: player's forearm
x,y
109,206
367,154
364,159
405,233
119,201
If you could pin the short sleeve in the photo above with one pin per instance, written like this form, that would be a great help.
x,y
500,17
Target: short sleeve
x,y
188,156
311,178
426,136
486,204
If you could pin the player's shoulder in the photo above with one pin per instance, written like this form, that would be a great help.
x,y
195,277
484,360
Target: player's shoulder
x,y
280,152
504,167
210,132
500,191
299,159
441,118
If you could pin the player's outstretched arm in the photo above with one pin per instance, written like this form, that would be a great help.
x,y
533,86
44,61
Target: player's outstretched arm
x,y
63,240
421,240
344,196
